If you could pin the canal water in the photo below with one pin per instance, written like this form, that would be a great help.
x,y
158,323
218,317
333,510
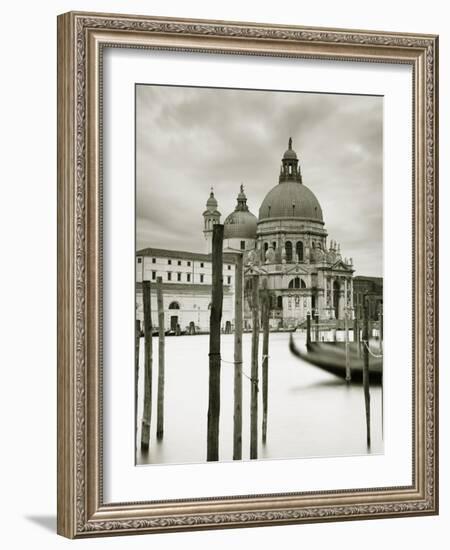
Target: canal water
x,y
310,413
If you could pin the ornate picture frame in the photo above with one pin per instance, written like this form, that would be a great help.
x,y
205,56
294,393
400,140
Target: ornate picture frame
x,y
82,38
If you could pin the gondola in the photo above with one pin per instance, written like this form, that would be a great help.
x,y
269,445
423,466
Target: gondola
x,y
330,357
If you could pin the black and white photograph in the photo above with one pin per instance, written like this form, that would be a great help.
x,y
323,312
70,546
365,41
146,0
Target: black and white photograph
x,y
259,274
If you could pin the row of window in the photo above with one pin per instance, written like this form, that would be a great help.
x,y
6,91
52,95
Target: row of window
x,y
279,302
289,248
288,245
169,276
188,263
188,277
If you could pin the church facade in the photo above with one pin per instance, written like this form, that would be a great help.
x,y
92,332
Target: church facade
x,y
287,245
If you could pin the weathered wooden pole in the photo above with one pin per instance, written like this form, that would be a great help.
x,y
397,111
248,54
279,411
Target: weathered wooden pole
x,y
308,329
348,372
265,360
214,344
357,335
316,319
147,413
380,332
161,367
254,369
137,330
382,382
238,317
366,379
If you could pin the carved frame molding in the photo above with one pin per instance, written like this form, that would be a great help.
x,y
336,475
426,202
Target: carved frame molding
x,y
81,37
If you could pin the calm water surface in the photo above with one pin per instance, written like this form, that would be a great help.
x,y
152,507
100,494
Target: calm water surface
x,y
310,413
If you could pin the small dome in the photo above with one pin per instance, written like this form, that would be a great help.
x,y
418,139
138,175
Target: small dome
x,y
290,200
290,154
211,203
240,224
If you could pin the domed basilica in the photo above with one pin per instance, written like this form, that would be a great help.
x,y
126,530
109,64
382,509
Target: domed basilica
x,y
287,244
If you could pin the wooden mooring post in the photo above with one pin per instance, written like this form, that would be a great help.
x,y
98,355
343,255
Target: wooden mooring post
x,y
161,359
137,335
308,329
265,315
254,369
238,318
317,329
366,376
348,372
380,332
212,452
357,335
382,381
147,412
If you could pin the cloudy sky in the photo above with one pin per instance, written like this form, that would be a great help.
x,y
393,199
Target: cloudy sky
x,y
191,139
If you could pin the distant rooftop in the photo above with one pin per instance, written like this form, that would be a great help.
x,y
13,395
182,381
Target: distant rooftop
x,y
177,254
187,287
377,280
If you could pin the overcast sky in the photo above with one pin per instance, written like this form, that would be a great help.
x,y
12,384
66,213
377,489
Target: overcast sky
x,y
189,139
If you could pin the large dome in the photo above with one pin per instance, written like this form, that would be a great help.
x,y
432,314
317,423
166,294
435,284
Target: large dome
x,y
240,224
290,200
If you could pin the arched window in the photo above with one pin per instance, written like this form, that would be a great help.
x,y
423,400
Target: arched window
x,y
174,305
299,250
266,246
297,283
280,302
288,247
274,245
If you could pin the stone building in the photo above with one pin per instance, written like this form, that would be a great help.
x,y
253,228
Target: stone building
x,y
186,284
371,290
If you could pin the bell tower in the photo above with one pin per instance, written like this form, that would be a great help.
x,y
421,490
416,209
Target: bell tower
x,y
211,216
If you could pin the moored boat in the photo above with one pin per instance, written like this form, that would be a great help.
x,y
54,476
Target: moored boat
x,y
331,357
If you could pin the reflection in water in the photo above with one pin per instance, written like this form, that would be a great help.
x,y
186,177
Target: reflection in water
x,y
310,412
